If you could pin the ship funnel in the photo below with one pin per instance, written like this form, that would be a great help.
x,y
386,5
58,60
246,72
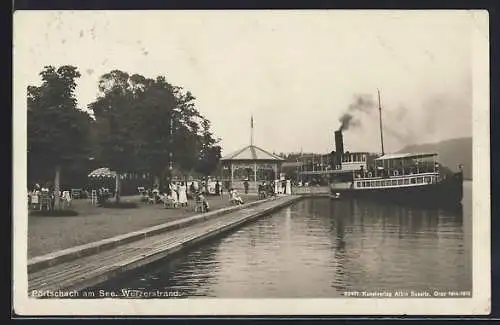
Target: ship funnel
x,y
339,142
339,147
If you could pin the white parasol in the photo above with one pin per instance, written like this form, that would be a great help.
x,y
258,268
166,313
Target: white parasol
x,y
102,173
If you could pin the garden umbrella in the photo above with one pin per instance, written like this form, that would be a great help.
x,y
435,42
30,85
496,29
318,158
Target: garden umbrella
x,y
102,173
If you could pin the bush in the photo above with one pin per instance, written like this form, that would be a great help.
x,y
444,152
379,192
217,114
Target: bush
x,y
53,213
121,205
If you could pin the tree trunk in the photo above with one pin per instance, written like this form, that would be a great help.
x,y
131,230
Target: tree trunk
x,y
156,181
117,187
57,188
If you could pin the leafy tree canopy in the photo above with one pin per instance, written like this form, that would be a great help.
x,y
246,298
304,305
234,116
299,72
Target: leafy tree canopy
x,y
57,129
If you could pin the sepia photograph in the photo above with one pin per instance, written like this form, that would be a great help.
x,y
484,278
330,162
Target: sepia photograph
x,y
265,162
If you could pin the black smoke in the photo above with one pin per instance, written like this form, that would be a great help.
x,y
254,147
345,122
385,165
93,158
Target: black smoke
x,y
362,103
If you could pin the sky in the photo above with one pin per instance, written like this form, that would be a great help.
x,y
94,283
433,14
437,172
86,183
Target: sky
x,y
296,72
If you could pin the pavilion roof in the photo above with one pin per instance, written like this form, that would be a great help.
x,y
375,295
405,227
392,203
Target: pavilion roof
x,y
391,156
252,152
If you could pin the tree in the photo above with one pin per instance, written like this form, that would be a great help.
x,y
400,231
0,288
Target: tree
x,y
210,152
57,129
145,124
186,128
116,125
154,102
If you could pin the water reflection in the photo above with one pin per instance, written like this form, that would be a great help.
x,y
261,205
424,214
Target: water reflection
x,y
320,248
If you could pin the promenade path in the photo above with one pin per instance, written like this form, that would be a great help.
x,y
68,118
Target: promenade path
x,y
50,234
87,271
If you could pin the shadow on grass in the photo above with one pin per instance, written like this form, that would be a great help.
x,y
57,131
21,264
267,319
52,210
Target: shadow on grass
x,y
121,205
53,213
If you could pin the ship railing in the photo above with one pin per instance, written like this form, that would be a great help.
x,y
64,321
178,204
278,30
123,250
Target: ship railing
x,y
404,180
393,174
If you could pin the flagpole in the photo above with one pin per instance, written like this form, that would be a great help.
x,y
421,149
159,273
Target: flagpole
x,y
251,130
380,122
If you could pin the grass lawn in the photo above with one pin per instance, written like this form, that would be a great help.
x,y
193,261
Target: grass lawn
x,y
47,234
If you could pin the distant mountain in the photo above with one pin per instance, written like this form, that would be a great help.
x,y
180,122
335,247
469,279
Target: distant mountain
x,y
451,153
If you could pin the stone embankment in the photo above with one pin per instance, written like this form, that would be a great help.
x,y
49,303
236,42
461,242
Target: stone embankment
x,y
87,265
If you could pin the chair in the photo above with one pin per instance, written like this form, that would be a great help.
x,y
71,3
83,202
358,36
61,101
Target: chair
x,y
45,201
156,196
76,193
144,197
170,202
167,202
198,204
66,199
150,197
35,200
93,197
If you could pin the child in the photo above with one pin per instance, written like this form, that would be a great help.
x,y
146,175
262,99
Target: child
x,y
204,201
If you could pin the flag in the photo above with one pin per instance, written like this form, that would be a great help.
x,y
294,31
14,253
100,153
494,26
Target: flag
x,y
251,121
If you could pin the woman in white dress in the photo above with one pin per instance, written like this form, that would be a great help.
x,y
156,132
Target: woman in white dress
x,y
288,187
183,194
235,197
35,197
173,194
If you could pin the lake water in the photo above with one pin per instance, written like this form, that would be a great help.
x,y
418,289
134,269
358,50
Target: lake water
x,y
322,248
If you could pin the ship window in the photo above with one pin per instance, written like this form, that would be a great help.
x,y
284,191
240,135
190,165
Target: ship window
x,y
358,184
400,182
364,184
420,180
428,180
373,183
407,181
413,180
387,183
394,182
377,183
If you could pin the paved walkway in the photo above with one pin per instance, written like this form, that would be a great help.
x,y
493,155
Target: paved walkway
x,y
50,234
94,269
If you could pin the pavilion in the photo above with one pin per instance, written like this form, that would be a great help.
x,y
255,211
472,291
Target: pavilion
x,y
253,164
250,163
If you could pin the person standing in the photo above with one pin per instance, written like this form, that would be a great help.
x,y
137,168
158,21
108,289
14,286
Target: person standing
x,y
173,194
35,196
183,194
288,187
192,189
245,184
217,188
156,193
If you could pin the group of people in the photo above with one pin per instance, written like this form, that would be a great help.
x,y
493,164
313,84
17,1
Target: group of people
x,y
103,195
176,195
271,188
266,189
43,198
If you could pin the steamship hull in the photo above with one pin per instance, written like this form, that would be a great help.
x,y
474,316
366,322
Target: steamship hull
x,y
445,193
